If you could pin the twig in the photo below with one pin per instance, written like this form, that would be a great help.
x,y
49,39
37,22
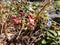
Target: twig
x,y
1,27
43,8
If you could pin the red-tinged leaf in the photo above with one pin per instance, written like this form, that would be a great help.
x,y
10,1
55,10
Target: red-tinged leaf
x,y
21,13
16,20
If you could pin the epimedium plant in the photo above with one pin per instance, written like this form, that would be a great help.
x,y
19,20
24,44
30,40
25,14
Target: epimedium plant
x,y
27,26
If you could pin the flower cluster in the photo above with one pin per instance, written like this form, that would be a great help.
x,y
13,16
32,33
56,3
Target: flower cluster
x,y
32,20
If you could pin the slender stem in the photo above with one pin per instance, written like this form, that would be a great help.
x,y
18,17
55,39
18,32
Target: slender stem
x,y
43,8
2,28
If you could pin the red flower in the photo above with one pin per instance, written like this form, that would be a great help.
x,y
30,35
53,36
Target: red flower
x,y
34,24
32,20
16,20
28,24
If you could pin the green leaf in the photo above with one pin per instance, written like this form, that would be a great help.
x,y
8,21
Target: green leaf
x,y
15,6
58,33
53,32
41,26
43,41
48,38
50,35
23,26
7,4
